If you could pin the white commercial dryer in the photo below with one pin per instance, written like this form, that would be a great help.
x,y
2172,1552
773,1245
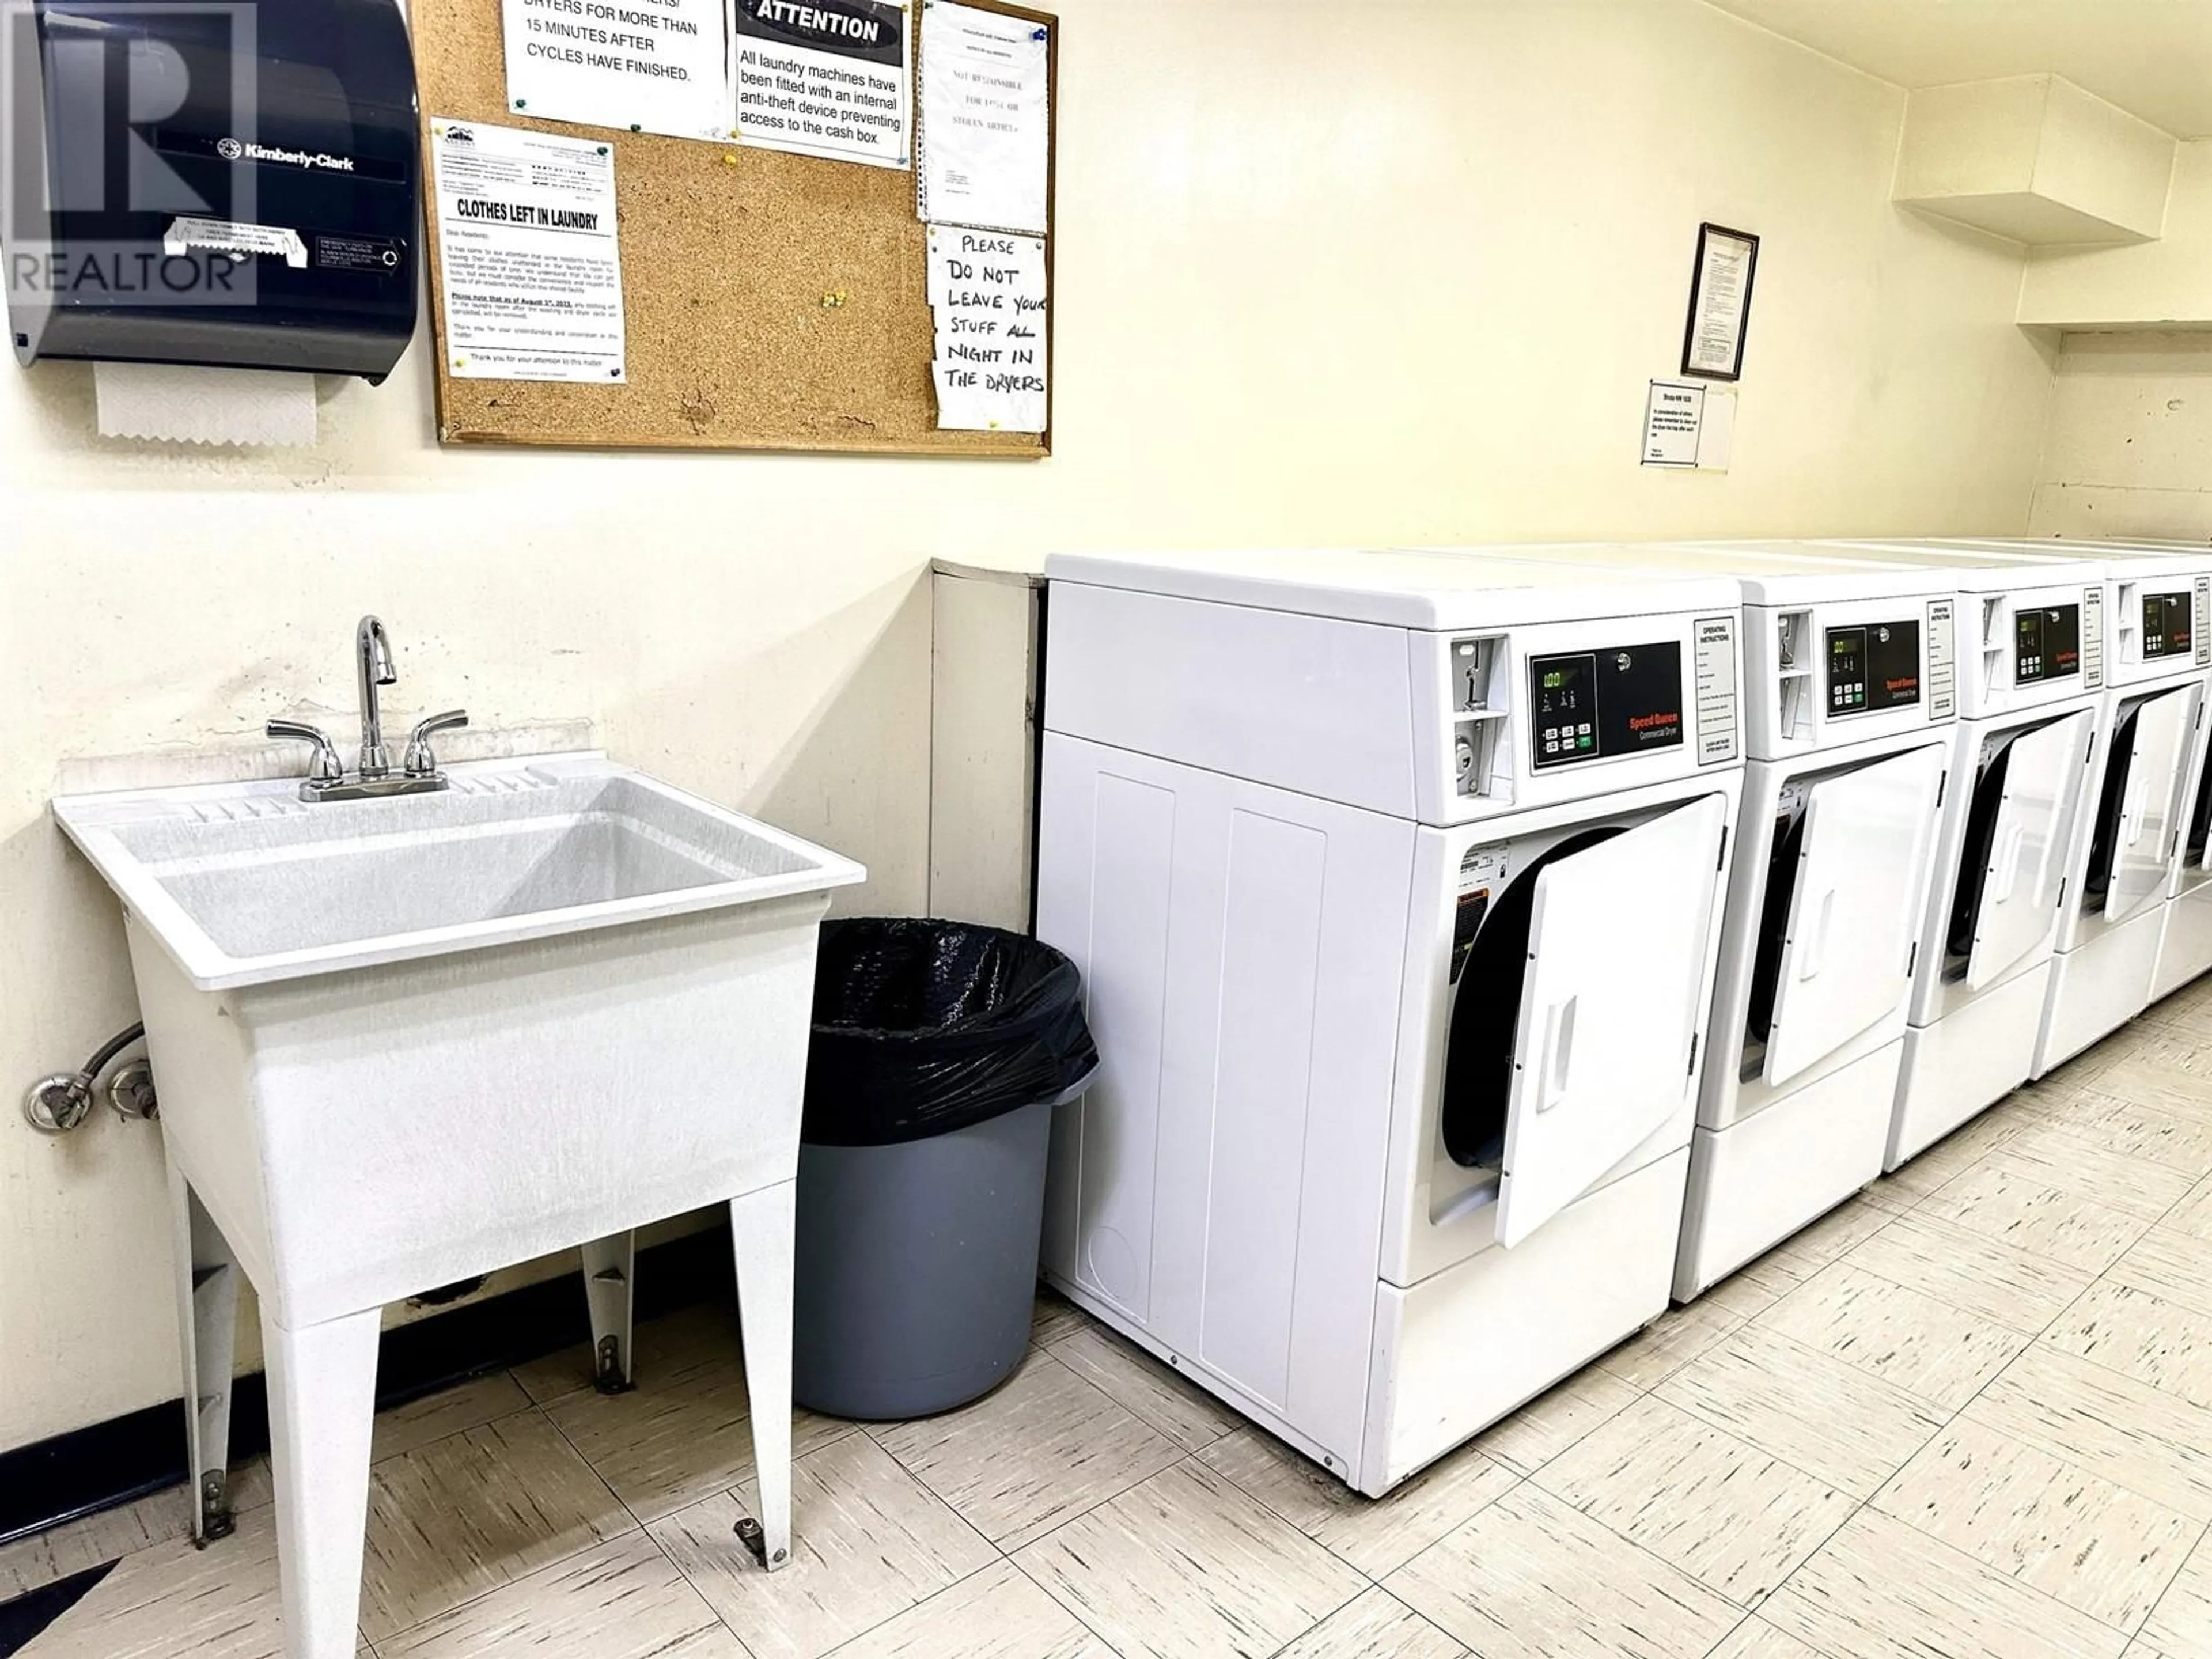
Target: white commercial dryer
x,y
1849,696
2130,852
2030,678
2184,949
1395,882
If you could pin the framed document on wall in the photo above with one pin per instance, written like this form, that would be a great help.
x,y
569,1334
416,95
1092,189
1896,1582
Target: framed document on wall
x,y
1720,303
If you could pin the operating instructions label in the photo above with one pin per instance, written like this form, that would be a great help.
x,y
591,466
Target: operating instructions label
x,y
1716,688
1942,660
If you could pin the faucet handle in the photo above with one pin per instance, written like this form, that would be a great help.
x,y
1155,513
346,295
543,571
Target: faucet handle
x,y
420,763
328,771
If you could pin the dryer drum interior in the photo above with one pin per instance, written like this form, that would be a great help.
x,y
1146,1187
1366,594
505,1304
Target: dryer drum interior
x,y
2104,842
1782,866
1981,814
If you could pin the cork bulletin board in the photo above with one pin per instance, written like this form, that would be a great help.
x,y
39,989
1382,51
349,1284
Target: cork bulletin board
x,y
771,300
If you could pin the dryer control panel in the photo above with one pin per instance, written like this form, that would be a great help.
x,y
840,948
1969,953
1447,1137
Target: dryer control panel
x,y
2166,619
2046,643
1597,705
1873,667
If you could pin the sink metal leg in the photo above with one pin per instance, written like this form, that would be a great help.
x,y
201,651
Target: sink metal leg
x,y
322,1407
609,1288
761,1229
207,1328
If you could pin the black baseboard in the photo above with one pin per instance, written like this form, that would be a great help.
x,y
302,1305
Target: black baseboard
x,y
90,1469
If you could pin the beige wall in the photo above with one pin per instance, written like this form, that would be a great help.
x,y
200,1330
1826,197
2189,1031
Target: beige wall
x,y
2129,449
1388,272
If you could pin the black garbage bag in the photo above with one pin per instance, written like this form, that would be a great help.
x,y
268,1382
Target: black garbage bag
x,y
923,1027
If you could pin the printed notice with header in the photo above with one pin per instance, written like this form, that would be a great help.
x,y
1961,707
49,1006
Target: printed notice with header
x,y
1689,426
642,65
987,291
986,118
531,269
825,77
1673,415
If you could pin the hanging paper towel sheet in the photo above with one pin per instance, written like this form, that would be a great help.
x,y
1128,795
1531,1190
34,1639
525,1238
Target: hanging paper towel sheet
x,y
205,405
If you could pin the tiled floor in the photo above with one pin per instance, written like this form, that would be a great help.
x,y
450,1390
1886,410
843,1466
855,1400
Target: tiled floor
x,y
1968,1416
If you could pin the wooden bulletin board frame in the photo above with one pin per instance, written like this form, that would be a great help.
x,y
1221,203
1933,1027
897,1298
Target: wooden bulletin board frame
x,y
770,301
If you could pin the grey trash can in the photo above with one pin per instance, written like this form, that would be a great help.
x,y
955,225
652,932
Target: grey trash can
x,y
940,1050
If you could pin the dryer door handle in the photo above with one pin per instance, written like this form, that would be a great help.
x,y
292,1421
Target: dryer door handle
x,y
1558,1056
1816,951
2009,862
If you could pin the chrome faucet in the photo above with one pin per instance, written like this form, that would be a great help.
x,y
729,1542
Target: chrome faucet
x,y
328,779
372,656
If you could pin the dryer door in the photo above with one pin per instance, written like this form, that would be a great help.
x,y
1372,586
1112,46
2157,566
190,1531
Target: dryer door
x,y
2151,803
2025,858
1609,1002
1861,876
2196,848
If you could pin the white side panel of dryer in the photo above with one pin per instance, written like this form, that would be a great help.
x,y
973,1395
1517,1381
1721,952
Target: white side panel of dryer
x,y
1310,703
2043,794
1105,858
1243,952
1861,885
1612,1003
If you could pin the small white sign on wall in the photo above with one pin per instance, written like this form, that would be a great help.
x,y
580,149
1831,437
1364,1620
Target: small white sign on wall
x,y
643,65
1689,427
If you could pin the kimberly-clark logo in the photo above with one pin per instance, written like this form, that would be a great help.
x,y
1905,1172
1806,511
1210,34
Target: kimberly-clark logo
x,y
95,173
245,149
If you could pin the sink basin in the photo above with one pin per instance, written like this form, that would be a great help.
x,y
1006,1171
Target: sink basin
x,y
245,884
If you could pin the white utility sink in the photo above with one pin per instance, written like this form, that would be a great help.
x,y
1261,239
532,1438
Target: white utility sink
x,y
402,1041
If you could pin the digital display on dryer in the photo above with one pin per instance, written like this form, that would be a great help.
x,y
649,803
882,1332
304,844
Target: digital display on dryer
x,y
1873,667
1564,694
2165,625
1598,705
2046,644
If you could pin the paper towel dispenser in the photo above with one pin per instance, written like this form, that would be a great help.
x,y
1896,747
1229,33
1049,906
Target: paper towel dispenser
x,y
225,183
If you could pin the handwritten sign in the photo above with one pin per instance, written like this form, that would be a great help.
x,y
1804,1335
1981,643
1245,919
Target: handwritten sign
x,y
987,293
